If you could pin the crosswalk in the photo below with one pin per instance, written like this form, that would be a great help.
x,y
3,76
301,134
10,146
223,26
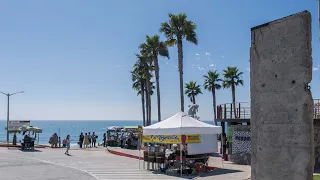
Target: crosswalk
x,y
98,163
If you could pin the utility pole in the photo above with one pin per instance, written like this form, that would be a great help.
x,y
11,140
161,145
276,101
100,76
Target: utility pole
x,y
8,111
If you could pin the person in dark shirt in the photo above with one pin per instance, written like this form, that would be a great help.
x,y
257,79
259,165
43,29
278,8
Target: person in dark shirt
x,y
104,140
81,139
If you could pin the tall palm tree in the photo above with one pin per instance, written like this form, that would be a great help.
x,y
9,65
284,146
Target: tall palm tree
x,y
232,78
146,70
211,83
154,47
176,30
138,79
192,90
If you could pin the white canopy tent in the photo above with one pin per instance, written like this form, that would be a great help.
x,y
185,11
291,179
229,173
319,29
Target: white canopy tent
x,y
180,124
183,124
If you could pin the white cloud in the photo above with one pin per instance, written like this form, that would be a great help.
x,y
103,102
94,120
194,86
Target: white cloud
x,y
197,54
212,65
208,54
222,56
316,68
248,69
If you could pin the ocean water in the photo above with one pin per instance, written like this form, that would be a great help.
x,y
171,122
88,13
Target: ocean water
x,y
72,128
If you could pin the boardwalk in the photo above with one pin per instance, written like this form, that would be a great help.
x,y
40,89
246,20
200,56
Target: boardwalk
x,y
93,164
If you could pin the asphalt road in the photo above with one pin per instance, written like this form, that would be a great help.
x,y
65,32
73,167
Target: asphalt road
x,y
53,164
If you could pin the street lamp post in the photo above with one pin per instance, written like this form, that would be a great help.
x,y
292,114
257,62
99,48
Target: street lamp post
x,y
8,95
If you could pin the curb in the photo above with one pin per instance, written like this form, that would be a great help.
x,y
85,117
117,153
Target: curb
x,y
123,154
19,146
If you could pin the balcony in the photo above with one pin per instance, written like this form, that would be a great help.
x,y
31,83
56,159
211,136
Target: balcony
x,y
225,112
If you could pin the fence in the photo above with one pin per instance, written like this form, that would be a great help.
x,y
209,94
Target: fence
x,y
242,110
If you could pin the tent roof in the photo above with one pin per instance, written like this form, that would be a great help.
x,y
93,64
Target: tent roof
x,y
181,123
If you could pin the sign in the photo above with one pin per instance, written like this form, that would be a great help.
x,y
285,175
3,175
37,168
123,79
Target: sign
x,y
172,139
16,125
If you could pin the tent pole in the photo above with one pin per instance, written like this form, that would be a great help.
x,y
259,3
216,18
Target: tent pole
x,y
181,159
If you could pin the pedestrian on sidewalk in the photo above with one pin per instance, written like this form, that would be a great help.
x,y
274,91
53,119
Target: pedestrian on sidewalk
x,y
68,144
81,139
104,140
86,140
90,140
94,139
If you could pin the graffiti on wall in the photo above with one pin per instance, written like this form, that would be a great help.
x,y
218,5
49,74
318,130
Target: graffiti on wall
x,y
241,142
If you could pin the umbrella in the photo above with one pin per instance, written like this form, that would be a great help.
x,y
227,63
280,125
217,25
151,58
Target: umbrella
x,y
114,128
31,128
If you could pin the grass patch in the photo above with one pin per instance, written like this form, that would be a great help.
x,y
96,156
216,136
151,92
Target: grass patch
x,y
316,177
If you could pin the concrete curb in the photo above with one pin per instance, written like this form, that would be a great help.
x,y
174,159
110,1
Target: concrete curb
x,y
19,146
123,154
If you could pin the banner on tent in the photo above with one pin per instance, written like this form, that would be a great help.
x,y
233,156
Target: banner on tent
x,y
172,139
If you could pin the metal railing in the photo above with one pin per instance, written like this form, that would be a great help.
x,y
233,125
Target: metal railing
x,y
226,111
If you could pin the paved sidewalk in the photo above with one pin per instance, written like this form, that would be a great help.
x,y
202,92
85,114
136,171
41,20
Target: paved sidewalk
x,y
225,169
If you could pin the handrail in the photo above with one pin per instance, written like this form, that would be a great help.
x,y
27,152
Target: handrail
x,y
226,111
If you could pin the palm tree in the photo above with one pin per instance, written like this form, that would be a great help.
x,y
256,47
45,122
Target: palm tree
x,y
192,90
176,30
138,79
154,47
232,78
211,83
146,70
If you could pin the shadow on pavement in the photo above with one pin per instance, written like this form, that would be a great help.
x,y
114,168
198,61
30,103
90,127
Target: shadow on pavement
x,y
219,171
35,150
171,174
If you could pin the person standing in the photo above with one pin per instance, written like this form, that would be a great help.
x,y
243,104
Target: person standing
x,y
86,140
68,145
81,139
90,140
104,140
94,139
14,142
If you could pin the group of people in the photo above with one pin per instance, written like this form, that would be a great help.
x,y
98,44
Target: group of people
x,y
55,140
87,140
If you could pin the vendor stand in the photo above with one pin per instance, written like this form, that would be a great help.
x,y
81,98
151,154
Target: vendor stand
x,y
31,134
113,134
131,137
194,141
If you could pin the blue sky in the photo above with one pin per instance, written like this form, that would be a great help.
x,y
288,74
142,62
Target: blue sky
x,y
73,58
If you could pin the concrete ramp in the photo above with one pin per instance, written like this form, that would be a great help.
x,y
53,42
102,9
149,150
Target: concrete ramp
x,y
281,102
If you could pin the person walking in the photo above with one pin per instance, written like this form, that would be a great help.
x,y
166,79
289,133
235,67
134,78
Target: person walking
x,y
86,140
81,139
68,145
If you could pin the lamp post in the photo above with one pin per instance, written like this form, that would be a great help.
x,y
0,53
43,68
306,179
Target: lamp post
x,y
8,95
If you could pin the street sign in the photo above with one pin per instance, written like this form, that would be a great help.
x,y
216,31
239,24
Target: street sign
x,y
15,125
